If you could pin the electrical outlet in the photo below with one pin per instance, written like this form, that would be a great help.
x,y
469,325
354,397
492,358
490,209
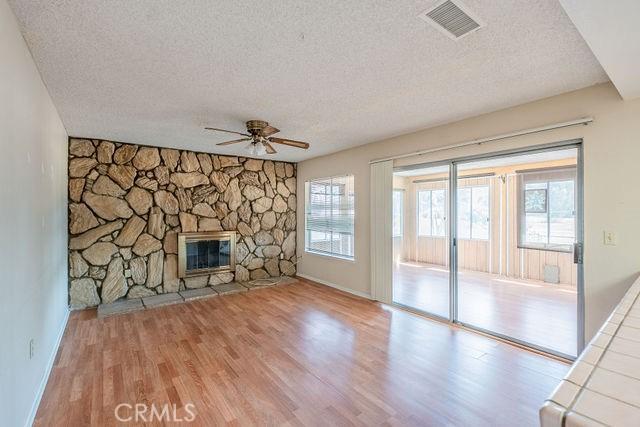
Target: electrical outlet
x,y
610,238
32,348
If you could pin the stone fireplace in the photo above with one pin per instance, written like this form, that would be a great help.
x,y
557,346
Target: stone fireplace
x,y
128,204
206,253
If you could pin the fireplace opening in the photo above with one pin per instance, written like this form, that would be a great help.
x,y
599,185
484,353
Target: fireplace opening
x,y
206,253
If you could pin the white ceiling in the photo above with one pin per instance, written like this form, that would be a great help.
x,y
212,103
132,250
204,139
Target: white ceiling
x,y
611,31
334,73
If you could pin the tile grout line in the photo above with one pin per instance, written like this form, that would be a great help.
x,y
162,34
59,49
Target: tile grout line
x,y
612,397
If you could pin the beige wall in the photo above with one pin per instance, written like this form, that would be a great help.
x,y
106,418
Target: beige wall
x,y
611,154
33,199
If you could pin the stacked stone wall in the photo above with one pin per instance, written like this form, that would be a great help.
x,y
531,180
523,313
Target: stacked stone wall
x,y
127,203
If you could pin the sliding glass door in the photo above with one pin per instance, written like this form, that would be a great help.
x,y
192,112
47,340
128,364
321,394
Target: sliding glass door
x,y
514,247
517,218
421,240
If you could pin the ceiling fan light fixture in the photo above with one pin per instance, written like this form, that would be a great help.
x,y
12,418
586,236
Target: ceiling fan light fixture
x,y
251,149
260,148
256,149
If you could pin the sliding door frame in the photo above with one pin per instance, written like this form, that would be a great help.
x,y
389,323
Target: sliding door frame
x,y
453,244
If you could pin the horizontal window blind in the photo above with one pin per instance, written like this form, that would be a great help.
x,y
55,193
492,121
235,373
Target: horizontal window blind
x,y
329,216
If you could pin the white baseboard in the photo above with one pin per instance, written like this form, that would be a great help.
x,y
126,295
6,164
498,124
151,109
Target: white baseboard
x,y
45,378
333,285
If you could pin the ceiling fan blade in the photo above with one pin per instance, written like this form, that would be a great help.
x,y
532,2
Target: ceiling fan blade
x,y
290,142
269,147
269,130
235,141
228,131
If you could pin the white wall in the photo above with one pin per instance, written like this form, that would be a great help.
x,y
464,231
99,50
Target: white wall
x,y
612,198
33,224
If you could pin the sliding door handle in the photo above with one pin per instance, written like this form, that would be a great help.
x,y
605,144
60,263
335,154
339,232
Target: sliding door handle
x,y
577,253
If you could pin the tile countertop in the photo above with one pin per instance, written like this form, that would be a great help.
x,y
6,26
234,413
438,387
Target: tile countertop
x,y
603,386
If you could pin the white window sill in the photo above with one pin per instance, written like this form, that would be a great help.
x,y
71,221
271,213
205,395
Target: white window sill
x,y
565,249
331,256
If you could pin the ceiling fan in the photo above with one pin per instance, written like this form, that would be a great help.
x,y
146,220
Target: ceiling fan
x,y
259,133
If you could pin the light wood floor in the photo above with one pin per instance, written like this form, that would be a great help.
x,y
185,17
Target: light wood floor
x,y
532,311
298,354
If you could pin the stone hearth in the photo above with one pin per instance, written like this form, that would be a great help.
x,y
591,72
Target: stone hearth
x,y
160,300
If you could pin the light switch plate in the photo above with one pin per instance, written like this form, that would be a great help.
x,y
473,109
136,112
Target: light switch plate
x,y
610,238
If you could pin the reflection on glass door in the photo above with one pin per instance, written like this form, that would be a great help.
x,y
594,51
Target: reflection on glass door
x,y
421,240
516,228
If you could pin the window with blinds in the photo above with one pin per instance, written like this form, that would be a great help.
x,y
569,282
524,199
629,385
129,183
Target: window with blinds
x,y
329,216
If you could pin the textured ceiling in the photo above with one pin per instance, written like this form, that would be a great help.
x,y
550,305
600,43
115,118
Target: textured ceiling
x,y
335,73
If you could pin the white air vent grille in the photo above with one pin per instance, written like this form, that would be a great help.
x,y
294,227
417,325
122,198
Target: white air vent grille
x,y
453,19
551,273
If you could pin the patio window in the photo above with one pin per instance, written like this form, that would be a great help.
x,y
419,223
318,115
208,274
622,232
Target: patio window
x,y
547,205
473,212
432,213
398,213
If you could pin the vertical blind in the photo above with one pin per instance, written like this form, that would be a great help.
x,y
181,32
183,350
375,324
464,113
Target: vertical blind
x,y
381,242
329,216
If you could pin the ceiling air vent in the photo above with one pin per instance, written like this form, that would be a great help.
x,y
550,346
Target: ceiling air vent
x,y
452,19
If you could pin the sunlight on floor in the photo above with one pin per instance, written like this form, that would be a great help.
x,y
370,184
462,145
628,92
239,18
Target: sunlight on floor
x,y
523,309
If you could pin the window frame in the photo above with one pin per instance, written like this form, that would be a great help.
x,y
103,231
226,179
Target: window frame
x,y
471,188
430,191
307,231
549,247
398,191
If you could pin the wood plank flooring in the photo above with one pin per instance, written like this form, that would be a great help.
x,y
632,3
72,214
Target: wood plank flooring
x,y
297,354
532,311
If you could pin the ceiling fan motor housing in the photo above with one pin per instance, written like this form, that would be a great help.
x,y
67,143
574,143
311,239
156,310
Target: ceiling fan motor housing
x,y
254,127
